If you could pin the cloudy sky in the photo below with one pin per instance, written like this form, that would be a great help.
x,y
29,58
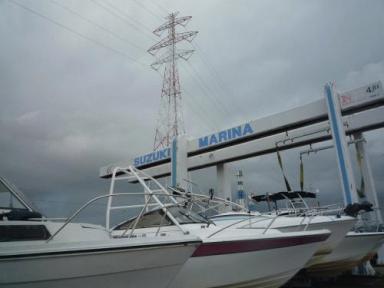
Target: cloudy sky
x,y
77,91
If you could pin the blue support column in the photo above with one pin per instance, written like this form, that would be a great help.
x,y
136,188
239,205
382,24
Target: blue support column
x,y
224,177
179,167
174,162
341,146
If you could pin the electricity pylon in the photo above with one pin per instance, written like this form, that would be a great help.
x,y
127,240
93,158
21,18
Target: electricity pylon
x,y
170,119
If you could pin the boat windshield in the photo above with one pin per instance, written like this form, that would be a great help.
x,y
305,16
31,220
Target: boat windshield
x,y
8,200
156,218
184,216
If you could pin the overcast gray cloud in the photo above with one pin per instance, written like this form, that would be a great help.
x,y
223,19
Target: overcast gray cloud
x,y
70,105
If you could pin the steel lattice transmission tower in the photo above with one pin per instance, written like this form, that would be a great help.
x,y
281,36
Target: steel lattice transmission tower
x,y
170,121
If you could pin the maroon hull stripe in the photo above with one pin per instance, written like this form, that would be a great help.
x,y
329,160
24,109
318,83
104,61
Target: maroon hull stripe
x,y
239,246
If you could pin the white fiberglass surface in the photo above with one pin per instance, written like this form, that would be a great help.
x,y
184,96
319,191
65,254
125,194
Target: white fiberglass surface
x,y
83,236
254,268
259,220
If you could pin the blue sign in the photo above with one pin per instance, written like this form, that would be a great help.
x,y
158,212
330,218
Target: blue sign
x,y
225,135
222,136
152,157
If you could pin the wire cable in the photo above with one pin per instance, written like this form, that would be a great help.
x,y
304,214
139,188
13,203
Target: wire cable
x,y
148,10
211,106
216,76
116,12
140,24
203,113
212,71
202,85
83,36
160,7
97,25
201,108
207,91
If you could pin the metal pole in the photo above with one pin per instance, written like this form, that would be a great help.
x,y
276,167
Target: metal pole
x,y
348,185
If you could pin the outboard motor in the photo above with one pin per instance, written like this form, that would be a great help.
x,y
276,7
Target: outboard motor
x,y
354,209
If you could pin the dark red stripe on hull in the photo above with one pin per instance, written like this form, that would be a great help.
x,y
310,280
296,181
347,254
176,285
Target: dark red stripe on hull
x,y
239,246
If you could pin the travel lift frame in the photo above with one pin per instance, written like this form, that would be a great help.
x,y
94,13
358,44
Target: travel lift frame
x,y
350,113
335,117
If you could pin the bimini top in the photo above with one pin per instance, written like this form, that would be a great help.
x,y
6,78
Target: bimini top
x,y
284,195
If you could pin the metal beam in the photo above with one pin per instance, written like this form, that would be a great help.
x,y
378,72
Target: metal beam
x,y
360,122
260,136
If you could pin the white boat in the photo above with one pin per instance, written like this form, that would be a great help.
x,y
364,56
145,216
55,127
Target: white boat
x,y
345,249
355,249
337,225
294,220
228,256
233,256
36,252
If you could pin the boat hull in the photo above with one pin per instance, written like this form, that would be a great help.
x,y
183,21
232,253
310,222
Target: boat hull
x,y
249,264
338,231
338,227
352,251
153,266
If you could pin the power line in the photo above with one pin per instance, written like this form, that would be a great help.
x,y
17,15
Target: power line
x,y
202,112
68,29
203,90
210,88
199,78
98,25
146,9
203,85
220,83
160,7
148,29
96,42
215,76
207,96
114,11
207,91
197,103
212,71
214,92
